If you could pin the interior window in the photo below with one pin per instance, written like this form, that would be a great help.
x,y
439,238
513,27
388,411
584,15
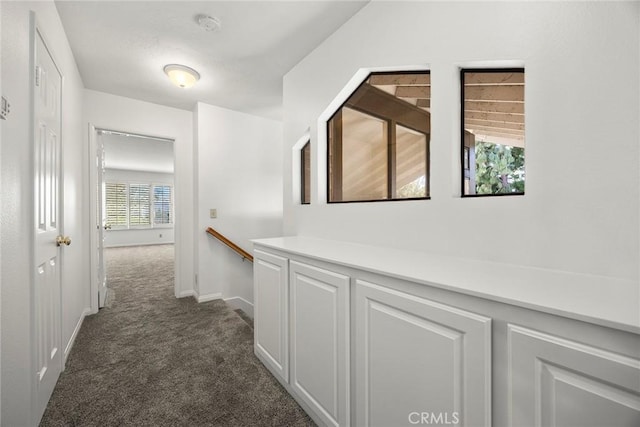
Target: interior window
x,y
379,140
492,132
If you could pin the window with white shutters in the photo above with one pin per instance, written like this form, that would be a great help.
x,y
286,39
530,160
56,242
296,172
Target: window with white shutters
x,y
139,209
162,206
138,205
116,204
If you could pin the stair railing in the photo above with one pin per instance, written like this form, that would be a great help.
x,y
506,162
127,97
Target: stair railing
x,y
244,254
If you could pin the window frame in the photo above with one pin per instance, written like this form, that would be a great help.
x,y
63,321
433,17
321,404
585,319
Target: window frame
x,y
462,123
151,186
303,175
391,175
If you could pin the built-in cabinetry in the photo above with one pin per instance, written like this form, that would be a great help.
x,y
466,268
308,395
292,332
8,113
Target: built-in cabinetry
x,y
360,336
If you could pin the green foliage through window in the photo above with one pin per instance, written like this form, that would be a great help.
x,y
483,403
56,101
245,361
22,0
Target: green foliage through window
x,y
499,169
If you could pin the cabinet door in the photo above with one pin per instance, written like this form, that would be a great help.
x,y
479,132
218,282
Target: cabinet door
x,y
320,341
557,382
271,320
418,361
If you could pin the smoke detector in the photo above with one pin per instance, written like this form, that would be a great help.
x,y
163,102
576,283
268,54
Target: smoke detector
x,y
208,23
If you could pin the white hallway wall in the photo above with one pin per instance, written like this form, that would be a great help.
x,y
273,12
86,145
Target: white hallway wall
x,y
239,169
138,236
580,212
17,204
129,115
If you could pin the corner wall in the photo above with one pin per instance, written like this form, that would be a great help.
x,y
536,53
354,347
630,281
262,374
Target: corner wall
x,y
581,208
239,173
129,115
17,202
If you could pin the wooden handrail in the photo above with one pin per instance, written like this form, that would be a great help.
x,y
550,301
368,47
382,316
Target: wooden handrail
x,y
244,254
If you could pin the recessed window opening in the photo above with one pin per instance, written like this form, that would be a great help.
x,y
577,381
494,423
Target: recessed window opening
x,y
305,173
378,141
492,132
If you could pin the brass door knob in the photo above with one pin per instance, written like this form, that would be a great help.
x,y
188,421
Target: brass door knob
x,y
63,240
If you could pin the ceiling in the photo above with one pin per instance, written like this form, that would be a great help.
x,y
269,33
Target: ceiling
x,y
121,47
127,152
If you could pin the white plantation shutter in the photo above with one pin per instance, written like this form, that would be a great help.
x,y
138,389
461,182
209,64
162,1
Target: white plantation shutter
x,y
162,208
116,204
139,204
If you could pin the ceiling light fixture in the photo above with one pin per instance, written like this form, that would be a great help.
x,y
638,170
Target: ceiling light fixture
x,y
208,23
181,75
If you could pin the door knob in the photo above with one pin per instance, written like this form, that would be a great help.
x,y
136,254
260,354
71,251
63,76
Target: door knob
x,y
63,240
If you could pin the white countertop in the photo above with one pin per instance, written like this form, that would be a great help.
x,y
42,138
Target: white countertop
x,y
605,301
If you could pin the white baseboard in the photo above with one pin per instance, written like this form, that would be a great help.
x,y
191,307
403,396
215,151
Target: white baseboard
x,y
209,297
72,340
242,304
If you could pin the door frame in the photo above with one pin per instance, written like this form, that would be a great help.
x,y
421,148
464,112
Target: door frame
x,y
93,208
35,31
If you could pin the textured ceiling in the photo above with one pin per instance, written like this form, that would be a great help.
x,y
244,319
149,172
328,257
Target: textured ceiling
x,y
122,46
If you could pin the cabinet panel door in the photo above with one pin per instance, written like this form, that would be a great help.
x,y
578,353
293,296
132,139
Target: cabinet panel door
x,y
320,341
557,382
418,361
271,319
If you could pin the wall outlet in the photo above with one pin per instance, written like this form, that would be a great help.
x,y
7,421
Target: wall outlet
x,y
213,213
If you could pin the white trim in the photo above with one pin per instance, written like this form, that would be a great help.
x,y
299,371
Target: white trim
x,y
72,340
208,297
240,303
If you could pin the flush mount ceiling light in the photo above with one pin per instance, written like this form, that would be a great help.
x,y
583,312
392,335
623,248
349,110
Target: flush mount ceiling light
x,y
208,23
181,75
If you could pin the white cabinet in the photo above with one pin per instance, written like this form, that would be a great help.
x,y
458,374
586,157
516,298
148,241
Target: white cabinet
x,y
419,361
271,311
367,337
559,382
320,341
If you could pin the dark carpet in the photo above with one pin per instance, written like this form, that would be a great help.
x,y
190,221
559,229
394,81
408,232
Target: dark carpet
x,y
149,359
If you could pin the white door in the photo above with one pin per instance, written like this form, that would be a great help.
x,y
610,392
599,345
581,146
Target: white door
x,y
558,382
418,361
271,308
320,341
101,225
47,315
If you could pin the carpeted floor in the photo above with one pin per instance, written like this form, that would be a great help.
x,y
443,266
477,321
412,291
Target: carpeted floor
x,y
149,359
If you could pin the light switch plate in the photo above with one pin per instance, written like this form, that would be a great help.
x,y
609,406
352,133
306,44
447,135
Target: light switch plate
x,y
213,213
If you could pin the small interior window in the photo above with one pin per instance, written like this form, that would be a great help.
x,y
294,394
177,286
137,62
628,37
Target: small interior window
x,y
305,173
492,132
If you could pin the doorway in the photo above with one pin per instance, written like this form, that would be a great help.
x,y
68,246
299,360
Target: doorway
x,y
134,196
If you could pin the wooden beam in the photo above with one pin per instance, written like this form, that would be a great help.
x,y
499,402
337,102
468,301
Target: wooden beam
x,y
471,78
499,139
497,117
400,79
492,124
494,107
490,93
413,92
424,103
484,129
371,100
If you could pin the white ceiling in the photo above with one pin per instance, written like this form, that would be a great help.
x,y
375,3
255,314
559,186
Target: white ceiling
x,y
122,46
136,153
